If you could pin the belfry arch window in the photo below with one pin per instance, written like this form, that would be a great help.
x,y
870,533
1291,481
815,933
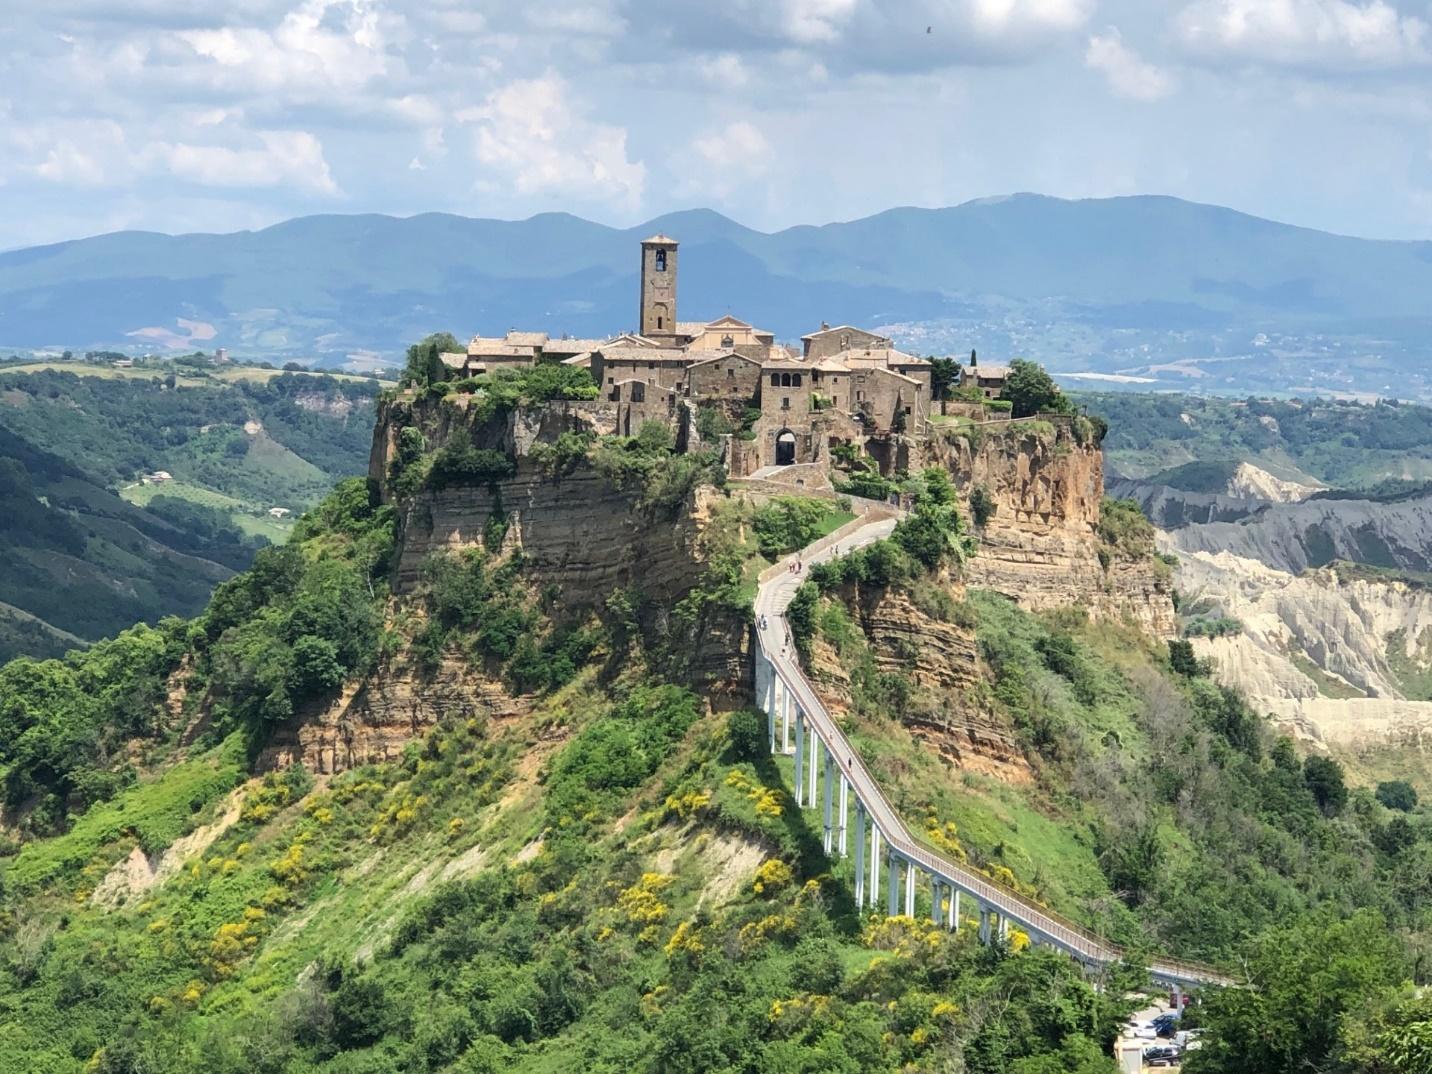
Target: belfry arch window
x,y
661,261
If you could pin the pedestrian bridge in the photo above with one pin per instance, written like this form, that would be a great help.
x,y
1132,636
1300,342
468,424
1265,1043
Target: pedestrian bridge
x,y
859,821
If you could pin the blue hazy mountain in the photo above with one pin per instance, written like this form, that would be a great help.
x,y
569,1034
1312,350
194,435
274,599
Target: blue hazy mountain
x,y
332,284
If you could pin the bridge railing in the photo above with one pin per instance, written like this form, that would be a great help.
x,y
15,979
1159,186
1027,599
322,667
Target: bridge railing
x,y
1020,908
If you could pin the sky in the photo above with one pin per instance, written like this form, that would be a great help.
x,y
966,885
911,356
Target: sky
x,y
191,115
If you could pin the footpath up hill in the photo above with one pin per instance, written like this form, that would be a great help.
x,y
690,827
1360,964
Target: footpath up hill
x,y
579,854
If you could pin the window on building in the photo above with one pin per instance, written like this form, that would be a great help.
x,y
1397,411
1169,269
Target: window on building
x,y
795,380
785,402
611,380
907,410
660,267
652,365
785,380
727,341
775,380
658,323
638,393
730,374
859,396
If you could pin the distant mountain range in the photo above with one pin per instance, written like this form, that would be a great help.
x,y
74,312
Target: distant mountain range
x,y
1092,283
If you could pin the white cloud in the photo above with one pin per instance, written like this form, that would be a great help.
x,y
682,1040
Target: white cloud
x,y
738,146
67,163
320,44
530,134
1339,34
282,158
1128,75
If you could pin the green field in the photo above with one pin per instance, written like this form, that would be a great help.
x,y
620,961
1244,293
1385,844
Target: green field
x,y
252,520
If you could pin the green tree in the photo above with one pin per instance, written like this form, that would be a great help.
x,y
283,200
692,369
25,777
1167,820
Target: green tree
x,y
1397,794
425,364
1304,981
944,372
1324,778
1031,390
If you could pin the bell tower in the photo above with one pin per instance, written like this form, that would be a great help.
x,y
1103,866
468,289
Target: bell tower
x,y
658,286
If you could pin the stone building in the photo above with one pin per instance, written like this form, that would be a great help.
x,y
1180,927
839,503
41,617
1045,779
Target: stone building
x,y
988,380
846,385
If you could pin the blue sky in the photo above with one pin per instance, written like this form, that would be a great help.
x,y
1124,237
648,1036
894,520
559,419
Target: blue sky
x,y
182,115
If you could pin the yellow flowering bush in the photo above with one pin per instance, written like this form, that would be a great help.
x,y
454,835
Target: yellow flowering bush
x,y
772,876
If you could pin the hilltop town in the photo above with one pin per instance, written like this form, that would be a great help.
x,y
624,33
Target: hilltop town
x,y
770,405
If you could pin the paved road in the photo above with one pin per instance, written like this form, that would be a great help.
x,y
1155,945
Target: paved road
x,y
771,601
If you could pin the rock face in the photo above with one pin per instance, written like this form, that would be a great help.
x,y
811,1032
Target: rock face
x,y
942,658
1293,537
574,529
1315,650
1041,547
374,720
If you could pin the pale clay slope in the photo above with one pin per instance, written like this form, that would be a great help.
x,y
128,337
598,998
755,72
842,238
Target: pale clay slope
x,y
1278,534
1341,625
1250,482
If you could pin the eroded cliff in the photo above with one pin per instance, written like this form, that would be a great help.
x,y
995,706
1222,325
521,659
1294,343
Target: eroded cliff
x,y
1040,544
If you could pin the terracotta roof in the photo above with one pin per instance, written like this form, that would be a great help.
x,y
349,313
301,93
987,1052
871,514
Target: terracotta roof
x,y
877,356
690,328
644,354
496,348
584,359
989,371
571,346
702,357
526,339
453,360
629,339
841,328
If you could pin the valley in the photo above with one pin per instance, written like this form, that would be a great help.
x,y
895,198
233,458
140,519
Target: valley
x,y
475,771
129,499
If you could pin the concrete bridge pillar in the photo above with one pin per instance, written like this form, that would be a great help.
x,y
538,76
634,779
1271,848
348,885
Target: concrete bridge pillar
x,y
892,886
800,758
828,804
811,772
768,700
984,923
1003,928
874,866
911,873
844,812
937,900
859,855
954,909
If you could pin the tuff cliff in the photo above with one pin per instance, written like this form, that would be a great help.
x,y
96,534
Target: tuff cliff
x,y
572,527
941,661
1041,544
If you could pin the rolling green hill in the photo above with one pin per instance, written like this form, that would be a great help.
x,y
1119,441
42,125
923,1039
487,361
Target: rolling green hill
x,y
335,284
1383,448
91,550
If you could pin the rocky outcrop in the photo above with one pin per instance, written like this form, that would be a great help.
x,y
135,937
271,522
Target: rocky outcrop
x,y
1041,545
942,659
372,721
